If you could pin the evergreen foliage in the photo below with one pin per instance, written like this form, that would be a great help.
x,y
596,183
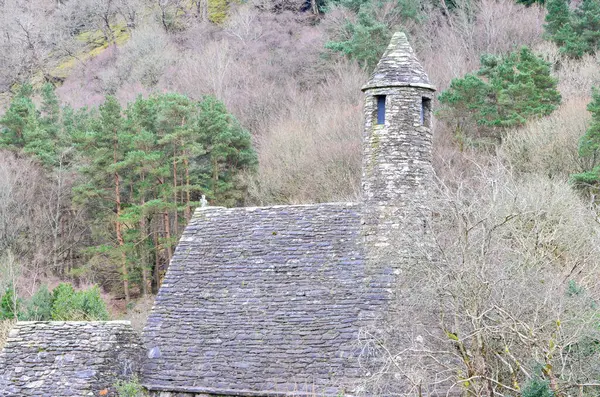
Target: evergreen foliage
x,y
505,92
537,388
10,304
35,131
71,305
142,170
63,303
557,17
576,32
39,307
19,120
227,146
589,148
366,37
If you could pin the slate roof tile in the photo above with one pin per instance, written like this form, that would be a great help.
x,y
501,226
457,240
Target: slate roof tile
x,y
263,300
398,67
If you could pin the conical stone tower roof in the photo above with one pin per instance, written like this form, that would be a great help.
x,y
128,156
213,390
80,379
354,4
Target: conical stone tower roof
x,y
398,67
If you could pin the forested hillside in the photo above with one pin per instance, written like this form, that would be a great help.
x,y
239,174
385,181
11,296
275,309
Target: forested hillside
x,y
118,117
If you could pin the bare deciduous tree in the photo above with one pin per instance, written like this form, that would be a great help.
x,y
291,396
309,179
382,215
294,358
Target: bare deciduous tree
x,y
512,296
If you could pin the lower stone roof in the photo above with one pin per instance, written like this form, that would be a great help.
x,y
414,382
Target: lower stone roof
x,y
68,359
264,301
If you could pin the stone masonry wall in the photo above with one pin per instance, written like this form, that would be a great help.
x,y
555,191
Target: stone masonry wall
x,y
68,359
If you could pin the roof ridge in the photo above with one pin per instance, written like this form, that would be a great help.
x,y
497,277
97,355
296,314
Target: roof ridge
x,y
254,208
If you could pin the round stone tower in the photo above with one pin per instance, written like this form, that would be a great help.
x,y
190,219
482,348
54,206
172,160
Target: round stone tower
x,y
397,169
396,186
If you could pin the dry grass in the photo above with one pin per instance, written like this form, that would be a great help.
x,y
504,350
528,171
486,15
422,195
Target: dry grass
x,y
312,151
549,146
577,77
451,49
139,313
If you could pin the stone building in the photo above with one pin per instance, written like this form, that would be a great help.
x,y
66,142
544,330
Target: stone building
x,y
281,300
285,300
68,359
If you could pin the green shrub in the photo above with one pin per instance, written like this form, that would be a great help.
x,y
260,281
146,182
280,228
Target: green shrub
x,y
130,388
9,304
39,308
537,388
92,304
71,305
217,11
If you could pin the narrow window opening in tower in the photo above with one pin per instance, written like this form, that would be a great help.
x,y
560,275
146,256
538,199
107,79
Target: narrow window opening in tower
x,y
380,109
426,112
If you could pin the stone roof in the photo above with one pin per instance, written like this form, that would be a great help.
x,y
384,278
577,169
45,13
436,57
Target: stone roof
x,y
264,301
398,67
67,358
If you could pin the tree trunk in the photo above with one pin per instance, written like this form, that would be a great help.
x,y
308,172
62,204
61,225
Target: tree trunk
x,y
156,262
143,248
215,177
202,9
175,224
314,7
120,241
188,208
167,237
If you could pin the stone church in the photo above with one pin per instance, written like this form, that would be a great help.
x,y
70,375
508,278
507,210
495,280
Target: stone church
x,y
271,301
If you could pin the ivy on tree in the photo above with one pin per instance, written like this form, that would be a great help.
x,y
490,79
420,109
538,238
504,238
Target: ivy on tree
x,y
504,93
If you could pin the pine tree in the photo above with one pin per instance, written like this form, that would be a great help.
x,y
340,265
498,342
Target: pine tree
x,y
36,132
506,92
229,150
144,156
589,148
576,32
50,112
557,17
105,146
20,118
587,25
111,122
364,40
143,170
